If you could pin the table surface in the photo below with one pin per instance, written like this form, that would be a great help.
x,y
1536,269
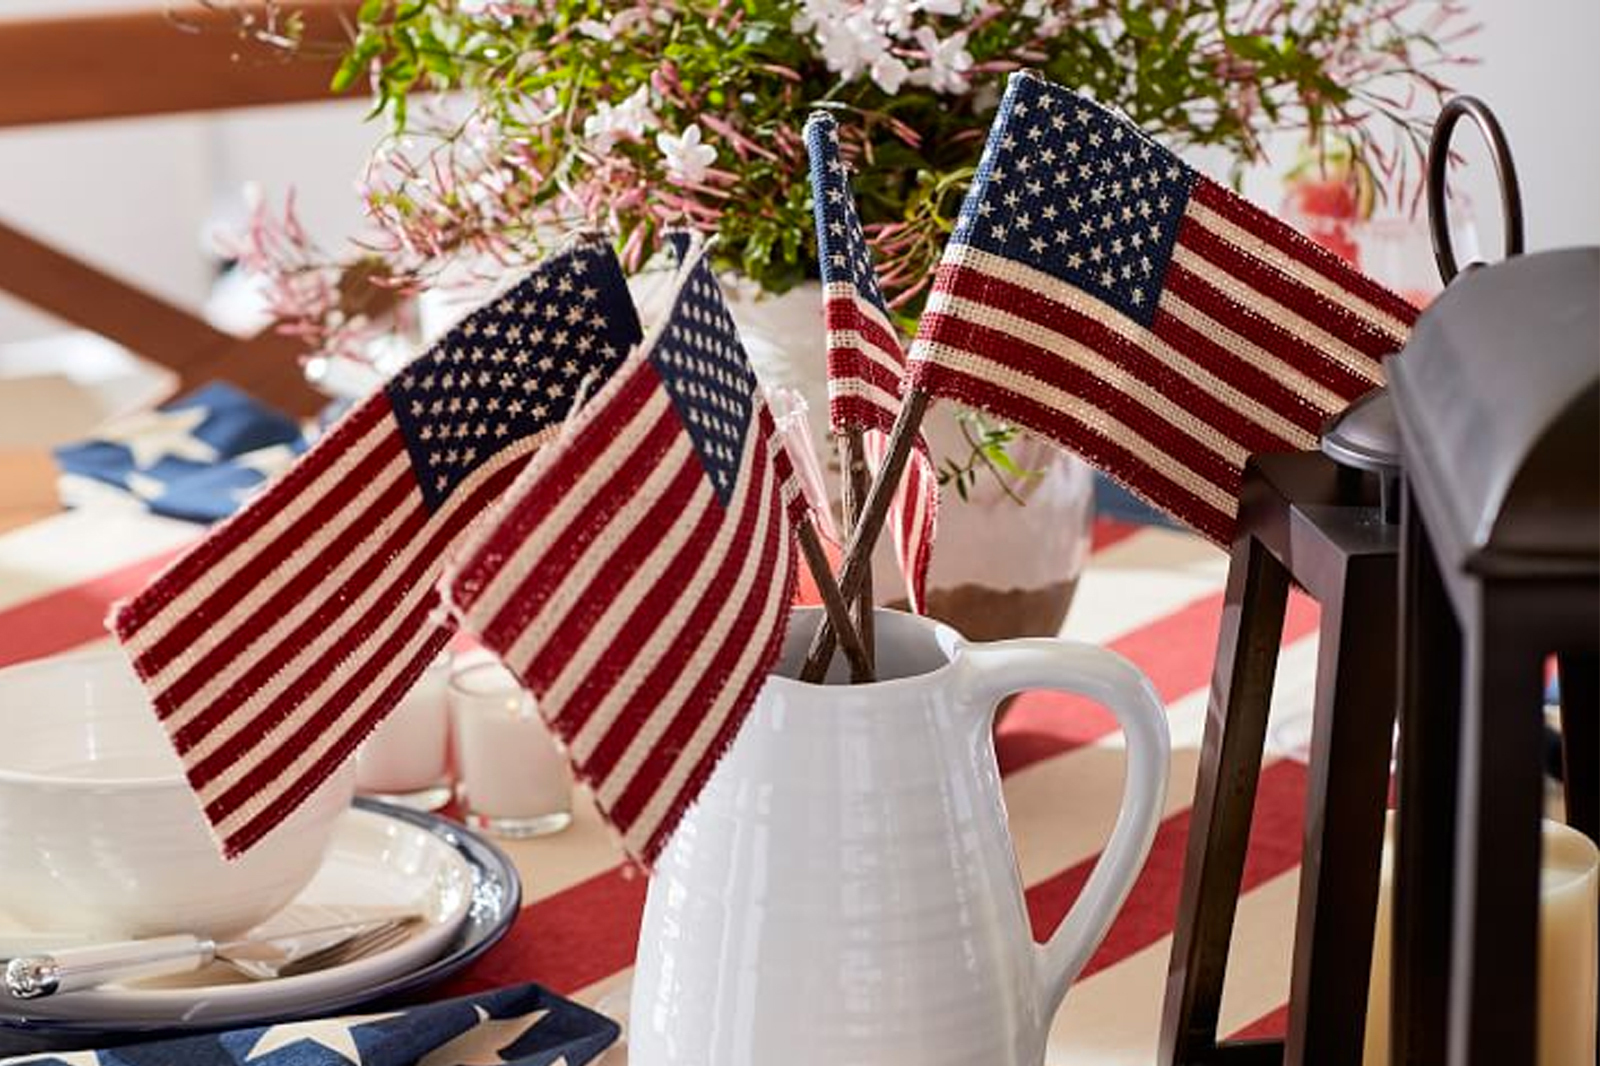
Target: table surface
x,y
1152,594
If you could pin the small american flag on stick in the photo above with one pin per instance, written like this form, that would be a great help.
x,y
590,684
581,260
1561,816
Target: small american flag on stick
x,y
1100,292
274,646
639,575
866,363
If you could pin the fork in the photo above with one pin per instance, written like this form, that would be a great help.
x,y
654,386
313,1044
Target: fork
x,y
259,958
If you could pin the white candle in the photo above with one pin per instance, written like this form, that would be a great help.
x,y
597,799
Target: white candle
x,y
1569,895
410,750
515,780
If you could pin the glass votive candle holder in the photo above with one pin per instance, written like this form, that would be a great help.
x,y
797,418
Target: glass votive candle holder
x,y
406,760
512,778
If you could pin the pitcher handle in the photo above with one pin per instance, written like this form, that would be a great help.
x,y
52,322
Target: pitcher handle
x,y
1011,666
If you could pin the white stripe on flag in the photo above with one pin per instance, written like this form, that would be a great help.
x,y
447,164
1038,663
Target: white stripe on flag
x,y
1253,300
1306,275
509,578
1059,292
709,646
289,511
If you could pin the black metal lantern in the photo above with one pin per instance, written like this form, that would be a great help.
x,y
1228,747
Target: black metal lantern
x,y
1327,521
1498,397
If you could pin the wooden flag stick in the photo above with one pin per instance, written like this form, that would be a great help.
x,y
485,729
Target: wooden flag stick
x,y
857,482
835,605
858,554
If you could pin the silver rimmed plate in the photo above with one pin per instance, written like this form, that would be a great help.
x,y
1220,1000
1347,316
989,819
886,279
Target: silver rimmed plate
x,y
382,856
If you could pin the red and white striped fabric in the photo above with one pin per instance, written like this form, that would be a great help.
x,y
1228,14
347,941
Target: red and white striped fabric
x,y
1153,595
866,363
273,646
1102,293
638,578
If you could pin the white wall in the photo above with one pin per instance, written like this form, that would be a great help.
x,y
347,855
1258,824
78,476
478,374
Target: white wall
x,y
137,196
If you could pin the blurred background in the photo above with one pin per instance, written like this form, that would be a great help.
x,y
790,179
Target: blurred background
x,y
141,198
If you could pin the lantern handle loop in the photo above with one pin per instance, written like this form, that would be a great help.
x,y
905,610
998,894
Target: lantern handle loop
x,y
1505,173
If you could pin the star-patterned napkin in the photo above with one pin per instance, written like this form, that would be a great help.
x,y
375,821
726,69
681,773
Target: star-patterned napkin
x,y
196,458
525,1025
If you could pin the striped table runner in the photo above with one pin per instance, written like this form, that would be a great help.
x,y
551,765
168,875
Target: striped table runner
x,y
1154,595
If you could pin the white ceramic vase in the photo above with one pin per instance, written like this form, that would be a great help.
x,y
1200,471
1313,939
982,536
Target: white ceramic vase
x,y
845,892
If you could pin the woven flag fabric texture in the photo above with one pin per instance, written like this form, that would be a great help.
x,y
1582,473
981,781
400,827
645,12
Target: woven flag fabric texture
x,y
1102,293
866,362
638,576
524,1025
198,457
272,647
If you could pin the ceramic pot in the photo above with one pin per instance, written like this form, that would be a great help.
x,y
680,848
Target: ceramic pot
x,y
845,890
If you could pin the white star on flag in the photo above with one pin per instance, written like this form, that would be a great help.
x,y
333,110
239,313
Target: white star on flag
x,y
483,1044
332,1033
153,435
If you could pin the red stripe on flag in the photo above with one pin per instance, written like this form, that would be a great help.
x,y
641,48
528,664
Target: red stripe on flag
x,y
1067,376
545,578
232,531
1310,359
730,727
272,815
266,663
333,661
844,314
1136,360
1041,725
644,616
1297,247
62,620
1304,301
1152,485
656,682
570,464
1251,379
1151,910
239,580
663,755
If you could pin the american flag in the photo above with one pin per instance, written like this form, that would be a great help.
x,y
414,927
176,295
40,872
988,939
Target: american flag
x,y
274,646
638,577
865,359
1105,295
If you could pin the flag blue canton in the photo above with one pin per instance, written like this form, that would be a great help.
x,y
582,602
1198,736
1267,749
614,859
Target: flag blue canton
x,y
197,457
702,363
842,250
1071,190
521,1026
514,367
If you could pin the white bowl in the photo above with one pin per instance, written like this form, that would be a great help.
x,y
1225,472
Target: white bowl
x,y
99,832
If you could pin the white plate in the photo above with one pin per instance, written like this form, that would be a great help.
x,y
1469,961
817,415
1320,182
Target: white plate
x,y
374,862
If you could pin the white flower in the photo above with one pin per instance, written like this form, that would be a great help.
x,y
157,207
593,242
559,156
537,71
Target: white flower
x,y
889,73
941,7
686,158
948,61
852,45
612,123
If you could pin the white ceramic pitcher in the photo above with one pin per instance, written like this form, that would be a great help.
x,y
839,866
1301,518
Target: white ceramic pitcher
x,y
845,891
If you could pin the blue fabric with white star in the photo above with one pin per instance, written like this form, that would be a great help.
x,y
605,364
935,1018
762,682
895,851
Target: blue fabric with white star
x,y
196,458
1079,193
701,361
514,367
525,1025
843,255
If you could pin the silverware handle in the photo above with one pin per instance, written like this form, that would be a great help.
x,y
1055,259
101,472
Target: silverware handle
x,y
72,969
